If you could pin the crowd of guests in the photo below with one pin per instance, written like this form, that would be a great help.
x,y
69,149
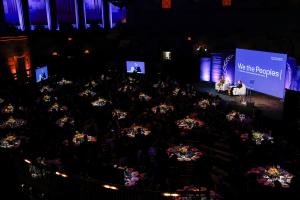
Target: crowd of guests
x,y
59,109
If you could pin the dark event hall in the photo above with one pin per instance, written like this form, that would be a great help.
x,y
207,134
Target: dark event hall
x,y
149,99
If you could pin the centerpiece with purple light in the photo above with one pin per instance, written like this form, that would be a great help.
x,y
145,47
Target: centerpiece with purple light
x,y
91,84
79,138
204,193
267,176
163,109
188,123
10,142
46,98
119,114
9,109
57,108
136,129
12,123
184,153
87,93
204,104
46,88
100,102
144,97
178,91
132,177
65,120
257,137
63,82
235,116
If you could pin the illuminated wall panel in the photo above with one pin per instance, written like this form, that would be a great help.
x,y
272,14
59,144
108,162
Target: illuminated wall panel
x,y
13,13
94,12
226,3
65,10
38,13
166,4
117,15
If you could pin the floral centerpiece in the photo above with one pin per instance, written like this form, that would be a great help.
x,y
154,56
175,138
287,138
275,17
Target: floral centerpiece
x,y
87,93
56,108
203,191
144,97
9,142
235,116
80,137
65,120
268,175
204,104
258,138
64,82
132,177
100,102
160,85
8,109
92,84
126,88
119,114
163,108
189,123
13,123
46,98
46,88
178,91
135,129
184,153
272,172
37,172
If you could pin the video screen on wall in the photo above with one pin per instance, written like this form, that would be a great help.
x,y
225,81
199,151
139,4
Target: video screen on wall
x,y
261,71
41,74
135,67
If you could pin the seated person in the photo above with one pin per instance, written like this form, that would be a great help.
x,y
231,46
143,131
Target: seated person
x,y
222,84
231,88
239,90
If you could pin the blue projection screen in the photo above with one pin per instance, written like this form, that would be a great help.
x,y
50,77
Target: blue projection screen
x,y
135,66
261,71
41,74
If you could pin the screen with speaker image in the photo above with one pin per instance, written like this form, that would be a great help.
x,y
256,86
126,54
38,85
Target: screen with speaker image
x,y
41,74
166,55
135,67
261,71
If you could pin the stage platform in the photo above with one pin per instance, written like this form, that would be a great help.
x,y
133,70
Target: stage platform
x,y
269,106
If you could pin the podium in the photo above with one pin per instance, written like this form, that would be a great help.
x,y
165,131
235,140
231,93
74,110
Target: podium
x,y
250,87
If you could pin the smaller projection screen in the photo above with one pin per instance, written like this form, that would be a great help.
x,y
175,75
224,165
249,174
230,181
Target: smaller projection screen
x,y
41,74
135,67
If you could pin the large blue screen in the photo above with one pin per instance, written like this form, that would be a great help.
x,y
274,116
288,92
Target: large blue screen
x,y
135,66
41,74
261,71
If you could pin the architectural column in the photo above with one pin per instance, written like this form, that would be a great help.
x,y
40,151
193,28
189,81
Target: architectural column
x,y
2,16
51,14
80,14
26,18
107,14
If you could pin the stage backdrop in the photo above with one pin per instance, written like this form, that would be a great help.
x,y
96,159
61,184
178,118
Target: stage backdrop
x,y
218,64
261,71
212,68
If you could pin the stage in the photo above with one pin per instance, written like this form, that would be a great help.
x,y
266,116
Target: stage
x,y
271,107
